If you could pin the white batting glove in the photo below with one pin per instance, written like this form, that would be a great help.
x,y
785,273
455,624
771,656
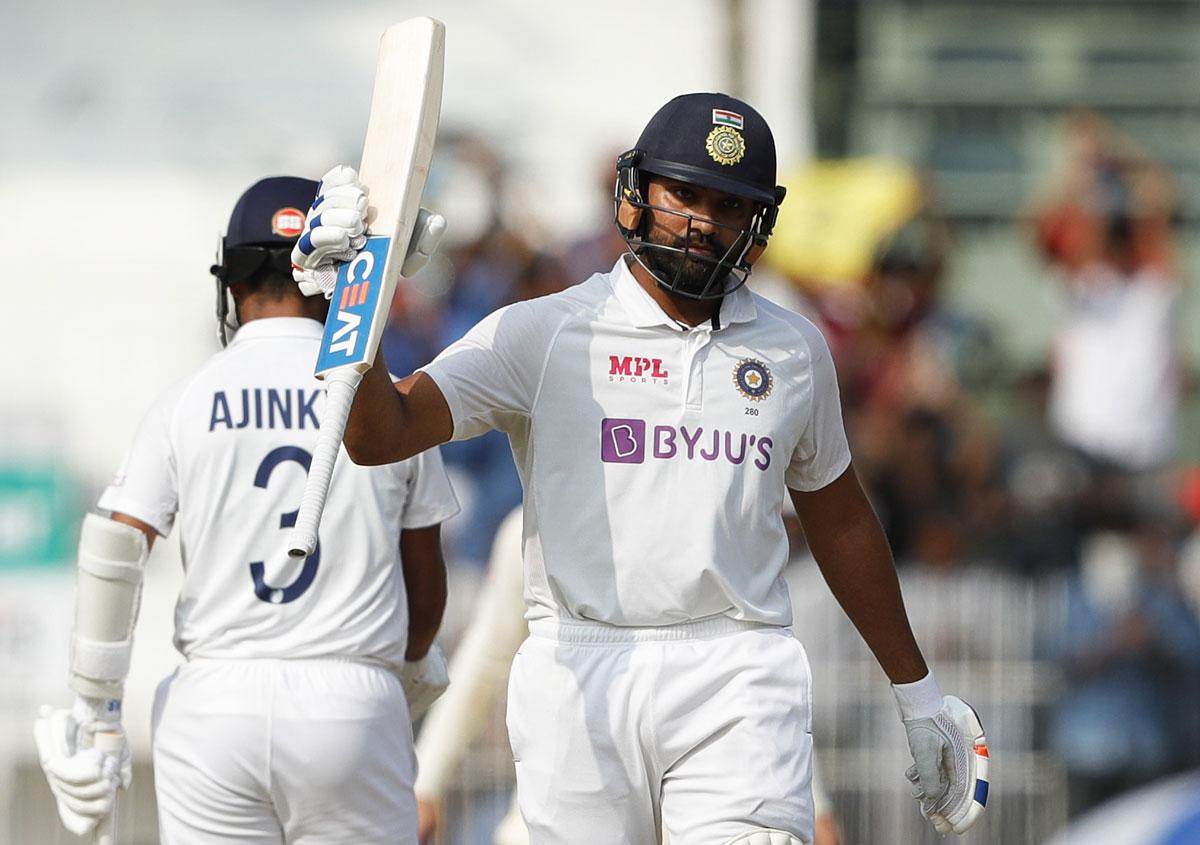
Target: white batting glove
x,y
426,236
83,779
950,755
335,229
424,680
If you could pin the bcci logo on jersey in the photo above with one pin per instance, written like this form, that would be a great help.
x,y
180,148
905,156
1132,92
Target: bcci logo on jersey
x,y
753,379
625,441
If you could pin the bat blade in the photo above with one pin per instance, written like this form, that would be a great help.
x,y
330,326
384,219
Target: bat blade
x,y
405,107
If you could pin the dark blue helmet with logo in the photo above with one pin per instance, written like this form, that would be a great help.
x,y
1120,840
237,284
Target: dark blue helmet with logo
x,y
713,141
264,225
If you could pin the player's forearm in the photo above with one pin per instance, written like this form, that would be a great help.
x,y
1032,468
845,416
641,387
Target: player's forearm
x,y
112,561
425,586
862,577
375,427
852,552
423,623
390,422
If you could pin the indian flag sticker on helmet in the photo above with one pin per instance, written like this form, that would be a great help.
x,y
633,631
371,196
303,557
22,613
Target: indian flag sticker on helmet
x,y
288,222
724,117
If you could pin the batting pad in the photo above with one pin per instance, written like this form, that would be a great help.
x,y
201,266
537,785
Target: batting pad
x,y
112,560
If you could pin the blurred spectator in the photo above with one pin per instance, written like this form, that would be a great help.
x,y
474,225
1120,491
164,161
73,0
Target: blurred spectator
x,y
1189,579
1116,385
904,361
1128,639
599,250
1045,484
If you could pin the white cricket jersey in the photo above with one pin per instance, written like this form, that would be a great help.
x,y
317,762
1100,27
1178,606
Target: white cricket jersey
x,y
228,450
654,458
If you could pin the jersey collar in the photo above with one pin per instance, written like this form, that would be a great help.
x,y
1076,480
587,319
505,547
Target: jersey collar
x,y
644,312
278,327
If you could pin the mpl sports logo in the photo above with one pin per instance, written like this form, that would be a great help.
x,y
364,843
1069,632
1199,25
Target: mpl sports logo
x,y
635,370
355,295
631,441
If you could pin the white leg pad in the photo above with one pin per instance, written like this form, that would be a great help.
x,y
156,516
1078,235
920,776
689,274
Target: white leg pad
x,y
768,836
112,559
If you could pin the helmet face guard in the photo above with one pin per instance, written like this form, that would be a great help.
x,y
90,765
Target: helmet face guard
x,y
237,264
727,272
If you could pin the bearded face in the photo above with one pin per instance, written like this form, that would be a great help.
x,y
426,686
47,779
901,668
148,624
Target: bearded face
x,y
686,271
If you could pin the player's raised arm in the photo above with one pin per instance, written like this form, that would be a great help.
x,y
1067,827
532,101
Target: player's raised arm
x,y
387,422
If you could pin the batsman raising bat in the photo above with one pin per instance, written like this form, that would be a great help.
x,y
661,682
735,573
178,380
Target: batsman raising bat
x,y
658,415
291,719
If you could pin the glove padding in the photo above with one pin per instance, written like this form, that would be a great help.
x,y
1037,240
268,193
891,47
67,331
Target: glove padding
x,y
424,681
949,777
83,779
335,229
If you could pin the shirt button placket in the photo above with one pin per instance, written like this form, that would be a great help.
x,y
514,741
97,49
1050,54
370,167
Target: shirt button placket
x,y
694,342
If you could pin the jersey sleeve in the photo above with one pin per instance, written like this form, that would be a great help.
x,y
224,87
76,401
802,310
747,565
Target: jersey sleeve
x,y
490,377
146,485
822,453
431,499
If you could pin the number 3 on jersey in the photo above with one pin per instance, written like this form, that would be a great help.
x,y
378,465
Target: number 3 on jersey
x,y
293,591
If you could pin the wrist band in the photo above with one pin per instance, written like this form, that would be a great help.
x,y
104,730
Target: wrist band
x,y
919,700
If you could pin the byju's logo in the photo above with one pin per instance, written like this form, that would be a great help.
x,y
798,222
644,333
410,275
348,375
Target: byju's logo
x,y
624,441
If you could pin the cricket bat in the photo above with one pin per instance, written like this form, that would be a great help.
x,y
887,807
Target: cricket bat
x,y
105,831
405,106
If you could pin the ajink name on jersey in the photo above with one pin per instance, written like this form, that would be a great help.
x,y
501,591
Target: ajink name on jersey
x,y
624,441
265,407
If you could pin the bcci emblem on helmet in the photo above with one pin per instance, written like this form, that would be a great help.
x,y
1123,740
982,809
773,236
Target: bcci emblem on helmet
x,y
725,145
752,379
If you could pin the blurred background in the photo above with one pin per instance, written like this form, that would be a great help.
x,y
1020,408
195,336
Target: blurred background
x,y
993,213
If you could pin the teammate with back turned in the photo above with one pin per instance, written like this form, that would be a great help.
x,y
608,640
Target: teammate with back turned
x,y
657,414
289,721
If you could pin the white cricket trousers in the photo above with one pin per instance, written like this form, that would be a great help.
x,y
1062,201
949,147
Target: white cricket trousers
x,y
701,730
283,751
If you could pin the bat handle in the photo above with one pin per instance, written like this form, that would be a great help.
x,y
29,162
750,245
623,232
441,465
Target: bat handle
x,y
105,831
342,385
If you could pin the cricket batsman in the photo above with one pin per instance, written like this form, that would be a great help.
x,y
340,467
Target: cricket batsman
x,y
659,414
290,721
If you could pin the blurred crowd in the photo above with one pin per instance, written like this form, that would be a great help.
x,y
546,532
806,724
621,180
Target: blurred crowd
x,y
1068,472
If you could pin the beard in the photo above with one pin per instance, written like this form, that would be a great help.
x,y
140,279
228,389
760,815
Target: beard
x,y
694,274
